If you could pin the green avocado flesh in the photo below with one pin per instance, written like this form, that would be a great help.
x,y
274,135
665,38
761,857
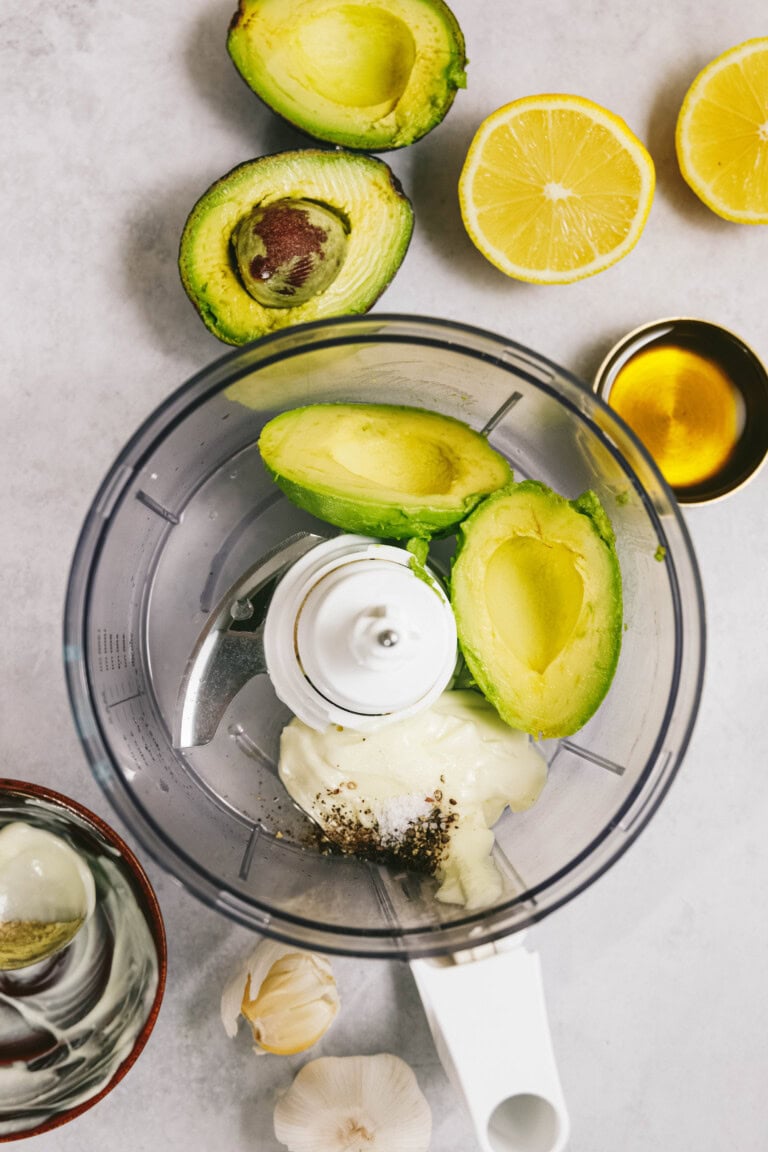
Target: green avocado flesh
x,y
293,237
380,469
368,74
536,591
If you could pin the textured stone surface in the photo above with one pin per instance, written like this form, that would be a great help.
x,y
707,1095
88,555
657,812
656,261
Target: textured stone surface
x,y
115,119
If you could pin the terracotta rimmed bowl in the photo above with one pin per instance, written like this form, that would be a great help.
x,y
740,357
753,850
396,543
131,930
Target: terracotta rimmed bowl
x,y
73,1025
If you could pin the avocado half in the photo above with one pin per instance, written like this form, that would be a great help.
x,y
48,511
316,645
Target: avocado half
x,y
293,237
367,74
536,591
380,469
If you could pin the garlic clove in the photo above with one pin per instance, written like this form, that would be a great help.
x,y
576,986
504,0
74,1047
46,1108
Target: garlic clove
x,y
354,1104
295,1005
287,995
255,969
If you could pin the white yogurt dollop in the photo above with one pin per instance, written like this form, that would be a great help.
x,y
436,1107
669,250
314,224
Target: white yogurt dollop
x,y
423,792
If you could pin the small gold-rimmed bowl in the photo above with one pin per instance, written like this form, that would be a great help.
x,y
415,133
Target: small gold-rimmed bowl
x,y
697,396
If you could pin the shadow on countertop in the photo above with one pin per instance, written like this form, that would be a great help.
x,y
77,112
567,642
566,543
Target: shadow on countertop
x,y
153,228
151,273
662,122
221,86
432,169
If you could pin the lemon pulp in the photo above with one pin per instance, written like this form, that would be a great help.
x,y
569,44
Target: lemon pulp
x,y
722,134
555,188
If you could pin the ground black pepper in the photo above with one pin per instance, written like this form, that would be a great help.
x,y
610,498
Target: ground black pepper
x,y
419,845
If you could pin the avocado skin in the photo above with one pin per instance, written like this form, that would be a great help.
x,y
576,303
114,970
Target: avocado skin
x,y
372,517
604,662
589,505
375,519
224,305
451,78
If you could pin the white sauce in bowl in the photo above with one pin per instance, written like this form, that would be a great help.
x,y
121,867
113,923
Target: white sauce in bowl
x,y
68,1022
424,792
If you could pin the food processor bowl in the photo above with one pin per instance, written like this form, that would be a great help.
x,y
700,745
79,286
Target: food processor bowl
x,y
188,508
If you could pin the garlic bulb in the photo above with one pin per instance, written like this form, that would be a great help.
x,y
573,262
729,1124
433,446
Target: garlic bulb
x,y
47,892
354,1104
288,997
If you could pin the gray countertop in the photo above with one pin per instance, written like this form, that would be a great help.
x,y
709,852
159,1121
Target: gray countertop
x,y
115,119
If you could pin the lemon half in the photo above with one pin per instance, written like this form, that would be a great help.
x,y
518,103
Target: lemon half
x,y
555,188
722,134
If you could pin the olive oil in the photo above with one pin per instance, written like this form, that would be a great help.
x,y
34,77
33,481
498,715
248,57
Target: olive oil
x,y
682,403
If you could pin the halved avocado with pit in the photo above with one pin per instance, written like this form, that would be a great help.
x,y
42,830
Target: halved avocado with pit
x,y
536,591
380,469
293,237
367,74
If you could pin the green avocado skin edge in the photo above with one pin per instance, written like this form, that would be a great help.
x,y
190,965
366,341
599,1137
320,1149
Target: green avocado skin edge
x,y
387,521
381,225
448,75
297,449
608,633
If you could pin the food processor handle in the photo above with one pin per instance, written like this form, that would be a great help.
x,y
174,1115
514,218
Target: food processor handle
x,y
488,1018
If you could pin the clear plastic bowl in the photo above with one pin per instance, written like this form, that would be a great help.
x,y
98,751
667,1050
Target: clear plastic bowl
x,y
187,507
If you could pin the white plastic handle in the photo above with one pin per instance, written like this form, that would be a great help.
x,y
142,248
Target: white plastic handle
x,y
489,1022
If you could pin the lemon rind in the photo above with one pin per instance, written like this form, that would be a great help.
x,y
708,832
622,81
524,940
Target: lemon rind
x,y
618,128
697,184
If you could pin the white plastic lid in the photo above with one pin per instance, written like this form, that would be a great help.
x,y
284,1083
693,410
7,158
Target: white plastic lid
x,y
354,636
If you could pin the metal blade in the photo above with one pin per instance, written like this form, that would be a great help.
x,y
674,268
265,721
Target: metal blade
x,y
230,650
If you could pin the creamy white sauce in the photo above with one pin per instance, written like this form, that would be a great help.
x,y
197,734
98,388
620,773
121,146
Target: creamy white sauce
x,y
41,877
88,1004
438,781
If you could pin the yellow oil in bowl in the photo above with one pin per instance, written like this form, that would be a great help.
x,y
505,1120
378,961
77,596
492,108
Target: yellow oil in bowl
x,y
691,424
697,397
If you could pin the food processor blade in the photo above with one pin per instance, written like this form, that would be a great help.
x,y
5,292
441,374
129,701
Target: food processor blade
x,y
230,648
347,631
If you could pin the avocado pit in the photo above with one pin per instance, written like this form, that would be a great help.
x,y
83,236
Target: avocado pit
x,y
289,251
